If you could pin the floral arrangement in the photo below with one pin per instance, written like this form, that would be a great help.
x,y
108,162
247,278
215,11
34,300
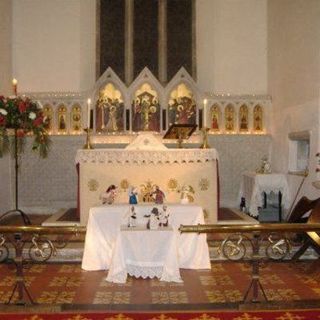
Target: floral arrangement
x,y
19,117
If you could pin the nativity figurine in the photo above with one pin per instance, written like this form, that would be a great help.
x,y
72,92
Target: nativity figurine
x,y
110,195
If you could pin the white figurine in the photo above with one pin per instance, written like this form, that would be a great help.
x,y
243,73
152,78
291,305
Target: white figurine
x,y
132,218
153,223
164,217
133,192
265,166
186,197
110,195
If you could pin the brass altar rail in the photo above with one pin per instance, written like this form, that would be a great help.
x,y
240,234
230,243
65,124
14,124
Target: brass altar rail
x,y
262,227
43,230
200,228
233,248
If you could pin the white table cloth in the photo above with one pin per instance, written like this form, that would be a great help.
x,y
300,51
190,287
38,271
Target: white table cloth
x,y
104,226
145,253
253,185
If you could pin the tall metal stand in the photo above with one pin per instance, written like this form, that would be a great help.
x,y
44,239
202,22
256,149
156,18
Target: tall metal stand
x,y
255,284
20,286
23,215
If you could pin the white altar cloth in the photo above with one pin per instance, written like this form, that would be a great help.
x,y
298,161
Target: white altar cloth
x,y
131,255
170,169
104,226
253,185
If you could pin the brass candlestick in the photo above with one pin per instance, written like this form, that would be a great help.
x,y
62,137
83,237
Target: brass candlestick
x,y
205,144
88,144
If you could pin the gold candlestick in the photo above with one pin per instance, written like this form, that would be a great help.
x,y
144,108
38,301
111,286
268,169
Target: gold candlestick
x,y
88,144
205,144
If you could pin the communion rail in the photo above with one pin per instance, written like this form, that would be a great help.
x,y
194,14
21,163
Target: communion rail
x,y
253,243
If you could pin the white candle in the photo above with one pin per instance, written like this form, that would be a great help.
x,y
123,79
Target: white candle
x,y
205,113
15,86
88,117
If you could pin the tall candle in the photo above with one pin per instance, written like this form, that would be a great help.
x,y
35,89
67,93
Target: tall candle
x,y
88,116
15,86
205,113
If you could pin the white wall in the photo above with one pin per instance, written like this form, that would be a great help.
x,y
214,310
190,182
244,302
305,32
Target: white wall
x,y
5,89
53,44
87,44
232,46
294,79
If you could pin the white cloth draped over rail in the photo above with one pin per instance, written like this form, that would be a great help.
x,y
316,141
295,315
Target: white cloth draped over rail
x,y
104,227
146,254
170,169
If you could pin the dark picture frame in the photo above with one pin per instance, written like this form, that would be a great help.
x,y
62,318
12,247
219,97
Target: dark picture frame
x,y
180,132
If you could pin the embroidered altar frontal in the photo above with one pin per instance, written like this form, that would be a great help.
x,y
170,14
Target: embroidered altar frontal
x,y
173,170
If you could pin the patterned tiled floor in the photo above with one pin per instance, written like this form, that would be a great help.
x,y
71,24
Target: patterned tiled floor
x,y
226,282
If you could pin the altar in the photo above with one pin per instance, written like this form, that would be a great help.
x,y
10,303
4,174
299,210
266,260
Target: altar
x,y
173,170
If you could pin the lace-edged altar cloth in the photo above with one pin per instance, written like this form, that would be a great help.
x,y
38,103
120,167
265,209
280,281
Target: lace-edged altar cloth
x,y
159,259
133,156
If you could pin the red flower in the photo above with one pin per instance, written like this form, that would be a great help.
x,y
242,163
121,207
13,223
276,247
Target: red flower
x,y
38,121
2,120
22,106
20,133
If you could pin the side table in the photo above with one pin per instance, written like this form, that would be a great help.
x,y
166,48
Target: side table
x,y
255,187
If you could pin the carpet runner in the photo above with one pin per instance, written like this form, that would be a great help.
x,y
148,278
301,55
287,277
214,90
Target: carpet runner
x,y
218,315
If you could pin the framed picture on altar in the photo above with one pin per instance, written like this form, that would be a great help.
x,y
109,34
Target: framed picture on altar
x,y
180,132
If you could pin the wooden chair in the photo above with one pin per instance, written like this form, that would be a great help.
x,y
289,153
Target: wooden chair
x,y
303,206
312,238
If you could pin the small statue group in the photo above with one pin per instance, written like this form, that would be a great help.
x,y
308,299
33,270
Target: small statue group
x,y
265,166
109,195
186,194
158,195
158,218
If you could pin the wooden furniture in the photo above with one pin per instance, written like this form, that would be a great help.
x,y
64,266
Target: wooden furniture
x,y
312,239
301,208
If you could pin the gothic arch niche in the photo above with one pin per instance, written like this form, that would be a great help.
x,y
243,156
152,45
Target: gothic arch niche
x,y
75,119
215,118
62,119
182,106
145,112
243,118
110,109
258,118
48,113
229,118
